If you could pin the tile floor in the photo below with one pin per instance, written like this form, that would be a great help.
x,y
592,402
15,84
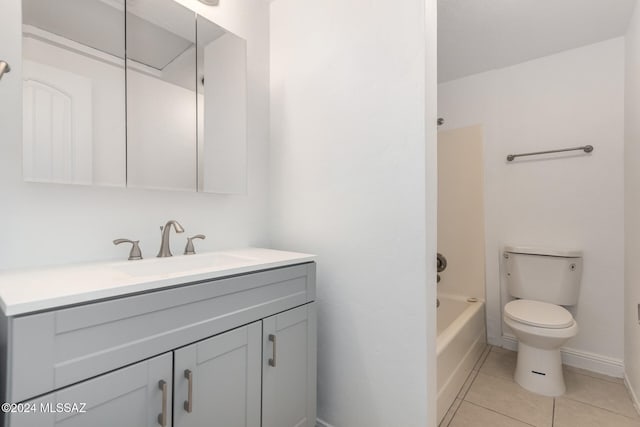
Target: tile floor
x,y
490,398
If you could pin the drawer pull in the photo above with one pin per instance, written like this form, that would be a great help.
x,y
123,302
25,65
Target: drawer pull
x,y
188,404
272,362
162,418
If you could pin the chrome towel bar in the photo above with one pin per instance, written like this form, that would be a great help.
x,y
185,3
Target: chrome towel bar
x,y
586,149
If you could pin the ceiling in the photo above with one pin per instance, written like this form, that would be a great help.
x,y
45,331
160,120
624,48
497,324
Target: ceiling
x,y
480,35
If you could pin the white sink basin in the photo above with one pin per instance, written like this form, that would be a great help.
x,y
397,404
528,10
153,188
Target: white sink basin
x,y
179,265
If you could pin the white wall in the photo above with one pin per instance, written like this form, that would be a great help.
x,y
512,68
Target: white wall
x,y
50,224
632,206
348,183
461,211
564,100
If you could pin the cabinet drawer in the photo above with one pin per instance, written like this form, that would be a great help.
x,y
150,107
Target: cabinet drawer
x,y
54,349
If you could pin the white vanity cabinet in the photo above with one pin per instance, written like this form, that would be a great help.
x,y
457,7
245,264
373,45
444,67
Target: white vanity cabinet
x,y
231,351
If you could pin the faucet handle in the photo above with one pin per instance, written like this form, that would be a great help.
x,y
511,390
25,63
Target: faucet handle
x,y
189,249
135,252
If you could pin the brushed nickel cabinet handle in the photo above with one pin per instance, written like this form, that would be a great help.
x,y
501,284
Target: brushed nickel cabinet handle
x,y
272,362
188,404
162,417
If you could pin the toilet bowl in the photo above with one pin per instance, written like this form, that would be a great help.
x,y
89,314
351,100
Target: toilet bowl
x,y
543,281
541,329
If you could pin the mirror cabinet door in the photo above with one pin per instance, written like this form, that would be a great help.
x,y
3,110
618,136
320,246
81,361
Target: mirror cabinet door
x,y
222,110
161,95
74,92
164,109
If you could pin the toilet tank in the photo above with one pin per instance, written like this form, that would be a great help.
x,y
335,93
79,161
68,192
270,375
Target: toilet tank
x,y
546,275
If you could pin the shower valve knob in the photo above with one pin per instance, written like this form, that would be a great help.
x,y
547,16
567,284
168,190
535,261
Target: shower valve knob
x,y
441,262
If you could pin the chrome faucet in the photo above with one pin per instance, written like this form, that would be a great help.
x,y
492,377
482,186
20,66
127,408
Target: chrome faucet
x,y
165,249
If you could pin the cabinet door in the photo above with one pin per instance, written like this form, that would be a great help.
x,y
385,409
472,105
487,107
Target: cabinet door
x,y
289,368
129,397
217,381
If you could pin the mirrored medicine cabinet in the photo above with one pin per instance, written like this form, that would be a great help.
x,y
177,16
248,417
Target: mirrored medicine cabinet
x,y
136,93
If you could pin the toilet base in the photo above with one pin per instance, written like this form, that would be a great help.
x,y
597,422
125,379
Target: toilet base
x,y
540,371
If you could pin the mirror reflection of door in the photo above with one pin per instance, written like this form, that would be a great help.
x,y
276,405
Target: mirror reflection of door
x,y
161,95
74,92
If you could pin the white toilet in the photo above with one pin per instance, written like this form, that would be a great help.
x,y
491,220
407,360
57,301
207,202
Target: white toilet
x,y
542,281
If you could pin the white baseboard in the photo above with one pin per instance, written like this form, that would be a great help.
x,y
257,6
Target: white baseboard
x,y
632,393
510,343
320,423
580,359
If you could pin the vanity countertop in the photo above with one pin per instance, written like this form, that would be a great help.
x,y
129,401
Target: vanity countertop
x,y
28,290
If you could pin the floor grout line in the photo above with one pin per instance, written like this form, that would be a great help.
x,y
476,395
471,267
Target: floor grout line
x,y
600,407
499,413
483,358
473,376
454,412
453,417
474,372
594,375
486,356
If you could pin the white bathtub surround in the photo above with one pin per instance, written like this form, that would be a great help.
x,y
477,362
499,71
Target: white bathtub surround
x,y
462,334
632,207
461,340
574,200
59,224
353,176
461,211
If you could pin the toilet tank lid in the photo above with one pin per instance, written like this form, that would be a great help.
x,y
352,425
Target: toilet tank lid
x,y
533,250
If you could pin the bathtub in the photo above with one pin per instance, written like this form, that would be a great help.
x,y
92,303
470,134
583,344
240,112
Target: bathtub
x,y
462,338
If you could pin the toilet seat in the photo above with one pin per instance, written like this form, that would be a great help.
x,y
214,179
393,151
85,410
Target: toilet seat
x,y
539,314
